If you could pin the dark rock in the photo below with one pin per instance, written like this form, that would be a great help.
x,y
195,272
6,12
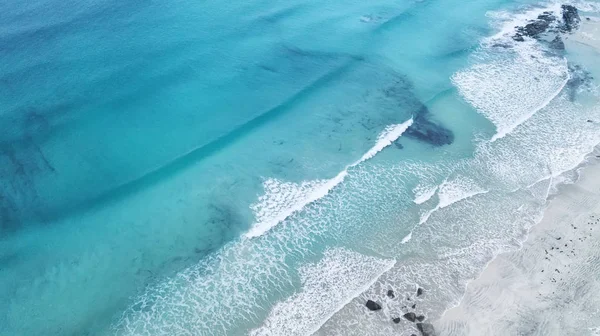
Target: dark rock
x,y
518,37
410,316
413,335
396,320
414,306
501,45
546,16
426,329
398,145
420,291
420,318
390,294
587,18
570,17
557,43
535,28
372,305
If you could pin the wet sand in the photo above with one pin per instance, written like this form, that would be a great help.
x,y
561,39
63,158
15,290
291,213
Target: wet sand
x,y
549,287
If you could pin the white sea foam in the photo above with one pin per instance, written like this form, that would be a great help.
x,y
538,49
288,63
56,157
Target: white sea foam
x,y
327,287
586,6
509,85
509,92
282,199
423,194
454,191
407,238
386,138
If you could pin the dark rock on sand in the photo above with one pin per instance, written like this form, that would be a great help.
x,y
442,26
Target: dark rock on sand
x,y
412,317
557,43
396,320
570,17
390,294
420,318
420,291
372,305
414,306
426,329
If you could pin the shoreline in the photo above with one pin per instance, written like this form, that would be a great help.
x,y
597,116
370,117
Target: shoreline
x,y
547,286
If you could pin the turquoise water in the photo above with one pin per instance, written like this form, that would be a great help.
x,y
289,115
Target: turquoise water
x,y
209,168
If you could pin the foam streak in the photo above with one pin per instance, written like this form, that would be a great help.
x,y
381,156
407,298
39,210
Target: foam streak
x,y
282,199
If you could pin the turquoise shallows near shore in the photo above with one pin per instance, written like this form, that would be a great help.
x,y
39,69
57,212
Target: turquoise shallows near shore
x,y
265,167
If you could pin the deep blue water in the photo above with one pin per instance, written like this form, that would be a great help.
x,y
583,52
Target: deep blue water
x,y
209,168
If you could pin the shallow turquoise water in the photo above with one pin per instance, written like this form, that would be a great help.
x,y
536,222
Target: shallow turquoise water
x,y
174,168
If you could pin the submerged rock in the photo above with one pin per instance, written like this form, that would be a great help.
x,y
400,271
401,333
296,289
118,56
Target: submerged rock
x,y
557,43
412,317
570,17
426,329
420,291
396,320
372,305
420,318
579,79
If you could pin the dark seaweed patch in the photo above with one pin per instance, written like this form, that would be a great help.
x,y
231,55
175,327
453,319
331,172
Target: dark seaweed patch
x,y
426,130
580,79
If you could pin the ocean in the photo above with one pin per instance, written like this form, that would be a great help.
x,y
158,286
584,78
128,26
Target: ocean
x,y
266,167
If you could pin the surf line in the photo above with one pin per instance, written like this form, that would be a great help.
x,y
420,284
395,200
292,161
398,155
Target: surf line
x,y
502,133
442,203
387,137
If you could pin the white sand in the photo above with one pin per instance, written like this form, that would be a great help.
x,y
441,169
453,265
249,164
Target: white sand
x,y
549,287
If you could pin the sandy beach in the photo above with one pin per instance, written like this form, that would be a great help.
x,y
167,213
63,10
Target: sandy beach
x,y
549,287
